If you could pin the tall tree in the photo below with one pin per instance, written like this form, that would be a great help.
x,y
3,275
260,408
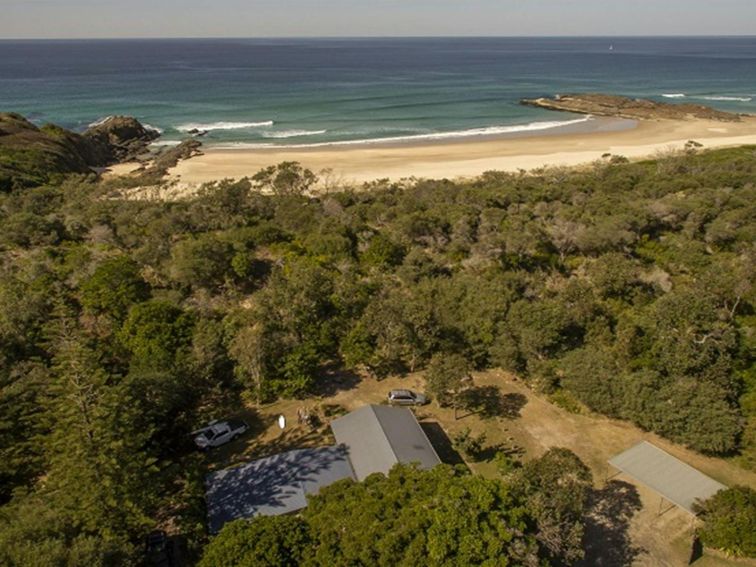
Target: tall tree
x,y
247,348
99,470
556,487
446,378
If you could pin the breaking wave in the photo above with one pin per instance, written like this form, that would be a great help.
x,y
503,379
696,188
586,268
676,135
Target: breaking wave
x,y
153,128
719,98
223,126
293,133
166,143
100,121
473,132
728,98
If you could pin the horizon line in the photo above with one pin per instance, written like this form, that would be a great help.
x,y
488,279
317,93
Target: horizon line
x,y
359,37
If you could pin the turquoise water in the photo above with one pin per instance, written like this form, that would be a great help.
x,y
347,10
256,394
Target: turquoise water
x,y
316,91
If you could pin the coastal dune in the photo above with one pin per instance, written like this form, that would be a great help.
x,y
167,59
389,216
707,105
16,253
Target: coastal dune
x,y
471,157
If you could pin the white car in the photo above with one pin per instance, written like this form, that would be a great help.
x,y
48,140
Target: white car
x,y
218,433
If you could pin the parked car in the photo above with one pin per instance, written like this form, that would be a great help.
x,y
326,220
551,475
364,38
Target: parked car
x,y
406,398
218,433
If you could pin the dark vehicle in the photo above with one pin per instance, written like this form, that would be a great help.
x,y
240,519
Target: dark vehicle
x,y
159,549
406,398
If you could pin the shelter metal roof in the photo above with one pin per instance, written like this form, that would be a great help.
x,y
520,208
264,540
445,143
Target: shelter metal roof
x,y
673,479
379,437
274,485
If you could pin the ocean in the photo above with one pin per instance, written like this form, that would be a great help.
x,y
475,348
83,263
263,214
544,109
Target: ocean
x,y
309,92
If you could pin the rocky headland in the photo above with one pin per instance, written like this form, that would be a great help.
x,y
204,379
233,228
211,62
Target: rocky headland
x,y
32,155
631,108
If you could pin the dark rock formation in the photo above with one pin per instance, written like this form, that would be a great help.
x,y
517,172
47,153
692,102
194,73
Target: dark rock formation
x,y
170,157
118,139
632,108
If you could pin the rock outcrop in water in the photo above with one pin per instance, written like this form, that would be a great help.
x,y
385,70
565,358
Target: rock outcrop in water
x,y
632,108
31,155
118,139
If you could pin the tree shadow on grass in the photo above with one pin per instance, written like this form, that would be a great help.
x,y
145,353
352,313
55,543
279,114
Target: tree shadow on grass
x,y
294,438
335,379
607,540
513,451
488,402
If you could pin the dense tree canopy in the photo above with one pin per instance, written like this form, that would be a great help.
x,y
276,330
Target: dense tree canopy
x,y
440,517
125,323
269,540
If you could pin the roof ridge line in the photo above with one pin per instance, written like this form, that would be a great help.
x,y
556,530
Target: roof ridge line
x,y
417,422
385,435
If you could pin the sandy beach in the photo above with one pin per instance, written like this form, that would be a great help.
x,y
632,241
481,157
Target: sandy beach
x,y
470,157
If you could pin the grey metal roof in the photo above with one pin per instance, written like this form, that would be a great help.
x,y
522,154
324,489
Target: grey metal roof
x,y
379,437
676,481
274,485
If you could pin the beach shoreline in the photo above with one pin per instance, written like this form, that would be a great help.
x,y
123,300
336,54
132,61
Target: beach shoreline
x,y
469,157
575,125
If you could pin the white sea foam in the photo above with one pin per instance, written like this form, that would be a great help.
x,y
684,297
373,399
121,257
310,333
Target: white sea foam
x,y
728,98
473,132
293,133
223,126
100,121
153,128
166,143
720,98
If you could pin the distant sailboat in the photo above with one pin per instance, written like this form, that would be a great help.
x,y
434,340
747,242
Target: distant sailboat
x,y
611,48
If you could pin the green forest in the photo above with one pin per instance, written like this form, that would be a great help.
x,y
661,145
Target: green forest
x,y
626,288
444,516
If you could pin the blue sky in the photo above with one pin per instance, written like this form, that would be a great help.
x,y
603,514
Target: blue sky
x,y
266,18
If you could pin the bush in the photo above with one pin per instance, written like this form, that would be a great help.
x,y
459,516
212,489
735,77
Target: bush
x,y
202,262
286,178
266,540
470,445
506,463
383,253
115,286
730,521
565,400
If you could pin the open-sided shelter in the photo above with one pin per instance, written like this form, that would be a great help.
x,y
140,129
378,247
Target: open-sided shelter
x,y
668,476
